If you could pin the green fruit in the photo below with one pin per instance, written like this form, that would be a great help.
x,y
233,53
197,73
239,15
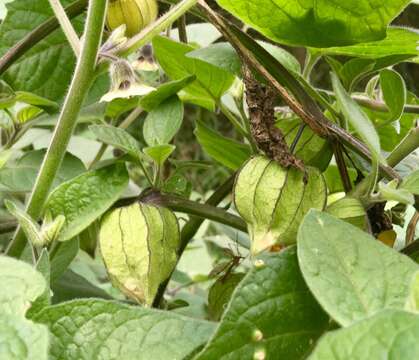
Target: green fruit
x,y
135,14
273,200
139,245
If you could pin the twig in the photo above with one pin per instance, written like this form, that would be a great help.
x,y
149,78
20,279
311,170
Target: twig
x,y
411,229
343,170
205,211
66,26
181,27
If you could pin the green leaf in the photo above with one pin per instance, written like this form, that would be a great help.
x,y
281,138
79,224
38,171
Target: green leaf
x,y
224,56
27,113
226,151
36,100
411,183
21,176
159,153
21,339
394,92
163,92
220,293
388,335
350,210
357,118
62,257
44,267
211,82
21,285
317,24
163,122
97,329
71,286
392,193
399,41
118,138
353,70
271,311
83,199
350,273
47,68
30,227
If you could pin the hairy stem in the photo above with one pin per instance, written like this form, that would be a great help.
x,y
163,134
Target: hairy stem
x,y
82,80
66,26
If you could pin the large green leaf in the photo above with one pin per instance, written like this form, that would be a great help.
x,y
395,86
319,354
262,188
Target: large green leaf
x,y
271,312
211,82
83,199
21,284
21,339
224,56
350,273
163,122
21,176
47,68
97,329
317,23
226,151
388,335
399,41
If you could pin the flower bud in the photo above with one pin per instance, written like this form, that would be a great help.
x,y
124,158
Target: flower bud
x,y
139,245
135,14
273,200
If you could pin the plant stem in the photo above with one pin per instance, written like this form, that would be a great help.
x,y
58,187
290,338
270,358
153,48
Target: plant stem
x,y
205,211
66,26
181,26
82,80
38,34
374,104
310,63
234,121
